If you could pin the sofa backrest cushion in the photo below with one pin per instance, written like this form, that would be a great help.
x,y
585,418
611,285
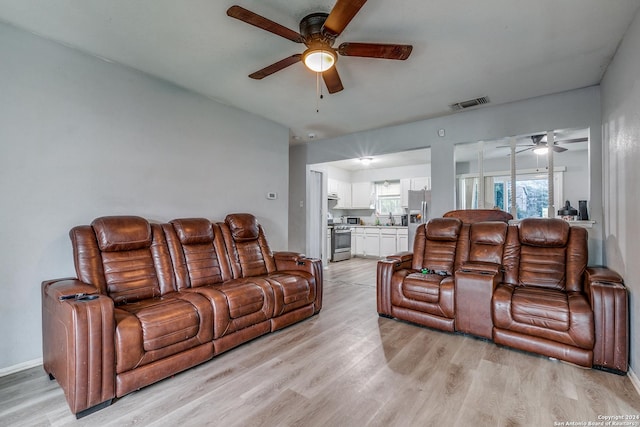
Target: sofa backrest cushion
x,y
197,251
544,232
486,241
435,244
249,253
243,227
124,257
193,231
122,233
552,254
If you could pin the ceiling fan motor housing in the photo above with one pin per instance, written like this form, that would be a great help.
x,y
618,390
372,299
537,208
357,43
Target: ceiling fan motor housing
x,y
311,29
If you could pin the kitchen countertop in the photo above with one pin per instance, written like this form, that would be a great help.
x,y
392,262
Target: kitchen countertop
x,y
379,226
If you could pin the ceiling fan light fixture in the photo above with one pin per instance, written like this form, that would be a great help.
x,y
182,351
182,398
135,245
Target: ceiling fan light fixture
x,y
319,60
541,150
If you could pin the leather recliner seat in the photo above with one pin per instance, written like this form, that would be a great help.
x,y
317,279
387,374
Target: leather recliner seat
x,y
526,286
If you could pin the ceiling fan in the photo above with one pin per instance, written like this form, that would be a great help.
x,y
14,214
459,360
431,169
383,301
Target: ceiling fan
x,y
318,32
539,144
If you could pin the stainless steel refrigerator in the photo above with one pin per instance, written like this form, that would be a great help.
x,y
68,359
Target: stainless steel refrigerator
x,y
418,212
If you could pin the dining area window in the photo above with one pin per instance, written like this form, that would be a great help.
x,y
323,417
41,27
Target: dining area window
x,y
528,176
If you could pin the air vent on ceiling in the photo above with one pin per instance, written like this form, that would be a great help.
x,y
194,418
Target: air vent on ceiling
x,y
470,103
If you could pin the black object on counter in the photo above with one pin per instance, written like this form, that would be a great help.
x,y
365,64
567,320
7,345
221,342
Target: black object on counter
x,y
582,210
568,210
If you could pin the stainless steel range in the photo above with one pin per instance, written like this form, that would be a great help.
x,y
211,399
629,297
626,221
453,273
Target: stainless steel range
x,y
340,243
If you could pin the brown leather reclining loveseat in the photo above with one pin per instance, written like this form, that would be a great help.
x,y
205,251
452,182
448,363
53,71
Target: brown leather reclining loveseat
x,y
151,300
525,286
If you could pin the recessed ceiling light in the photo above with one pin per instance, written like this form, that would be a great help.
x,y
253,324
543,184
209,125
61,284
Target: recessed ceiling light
x,y
366,161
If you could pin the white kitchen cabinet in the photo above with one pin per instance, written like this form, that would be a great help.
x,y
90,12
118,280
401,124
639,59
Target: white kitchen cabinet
x,y
388,244
403,240
413,184
353,241
421,183
362,195
344,195
343,190
332,185
405,186
359,241
372,242
328,244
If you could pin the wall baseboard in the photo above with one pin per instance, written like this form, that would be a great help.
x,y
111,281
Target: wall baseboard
x,y
634,380
20,367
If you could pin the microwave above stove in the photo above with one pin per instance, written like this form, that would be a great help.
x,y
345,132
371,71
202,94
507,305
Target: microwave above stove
x,y
353,220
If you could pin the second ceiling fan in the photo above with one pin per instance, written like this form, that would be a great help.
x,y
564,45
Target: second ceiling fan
x,y
318,31
539,144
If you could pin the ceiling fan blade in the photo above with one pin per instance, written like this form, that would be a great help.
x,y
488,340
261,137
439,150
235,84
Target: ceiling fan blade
x,y
332,80
558,149
526,149
267,71
376,50
572,141
256,20
340,16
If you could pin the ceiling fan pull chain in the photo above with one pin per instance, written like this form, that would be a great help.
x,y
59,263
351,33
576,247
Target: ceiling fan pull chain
x,y
319,95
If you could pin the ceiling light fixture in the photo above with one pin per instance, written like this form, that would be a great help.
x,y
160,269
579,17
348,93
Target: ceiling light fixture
x,y
366,161
541,150
319,57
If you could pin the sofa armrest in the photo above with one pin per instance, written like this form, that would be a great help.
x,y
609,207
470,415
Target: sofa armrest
x,y
401,260
386,269
78,343
294,261
609,302
490,268
475,285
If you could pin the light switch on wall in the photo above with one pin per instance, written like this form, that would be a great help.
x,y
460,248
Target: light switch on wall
x,y
272,195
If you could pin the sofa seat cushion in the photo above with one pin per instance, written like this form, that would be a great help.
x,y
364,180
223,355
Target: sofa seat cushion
x,y
244,298
426,293
422,287
291,290
541,307
153,329
237,303
564,317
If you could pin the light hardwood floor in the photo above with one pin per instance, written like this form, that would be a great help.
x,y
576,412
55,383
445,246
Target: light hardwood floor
x,y
348,367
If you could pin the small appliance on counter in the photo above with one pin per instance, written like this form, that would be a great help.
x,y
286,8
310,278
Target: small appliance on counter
x,y
582,210
568,213
353,220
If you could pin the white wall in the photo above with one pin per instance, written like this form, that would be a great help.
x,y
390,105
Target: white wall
x,y
574,109
81,138
621,161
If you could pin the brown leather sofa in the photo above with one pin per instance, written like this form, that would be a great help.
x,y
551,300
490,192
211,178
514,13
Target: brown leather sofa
x,y
525,286
151,300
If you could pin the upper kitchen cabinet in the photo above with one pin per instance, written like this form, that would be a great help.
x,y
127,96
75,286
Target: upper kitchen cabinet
x,y
412,184
362,195
342,190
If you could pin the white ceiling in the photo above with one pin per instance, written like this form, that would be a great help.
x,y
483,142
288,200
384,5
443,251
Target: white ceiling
x,y
504,49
